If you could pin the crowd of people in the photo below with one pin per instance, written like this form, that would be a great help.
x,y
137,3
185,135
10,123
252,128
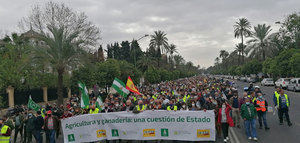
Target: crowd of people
x,y
196,93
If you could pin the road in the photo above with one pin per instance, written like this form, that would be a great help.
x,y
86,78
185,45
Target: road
x,y
277,133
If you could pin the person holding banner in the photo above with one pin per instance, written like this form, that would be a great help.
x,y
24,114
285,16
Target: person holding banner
x,y
224,119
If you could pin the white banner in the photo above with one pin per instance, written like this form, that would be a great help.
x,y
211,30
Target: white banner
x,y
148,125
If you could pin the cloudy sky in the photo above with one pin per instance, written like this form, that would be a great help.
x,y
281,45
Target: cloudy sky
x,y
199,28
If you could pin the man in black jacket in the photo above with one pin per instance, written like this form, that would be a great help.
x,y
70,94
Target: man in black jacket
x,y
39,123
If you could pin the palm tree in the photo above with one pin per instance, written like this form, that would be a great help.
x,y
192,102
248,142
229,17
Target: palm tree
x,y
242,29
223,54
159,41
145,62
260,45
217,61
178,60
238,50
65,35
172,50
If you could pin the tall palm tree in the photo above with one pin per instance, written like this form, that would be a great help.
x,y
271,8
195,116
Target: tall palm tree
x,y
223,54
160,42
172,50
260,45
238,50
241,30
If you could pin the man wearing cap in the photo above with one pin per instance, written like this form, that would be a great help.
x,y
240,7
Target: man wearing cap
x,y
4,132
51,126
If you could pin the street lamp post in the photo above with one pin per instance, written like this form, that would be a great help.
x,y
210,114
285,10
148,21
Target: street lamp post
x,y
134,58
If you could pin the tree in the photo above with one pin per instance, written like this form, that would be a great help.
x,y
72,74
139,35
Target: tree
x,y
252,67
217,61
295,64
159,42
242,29
172,50
260,45
145,62
239,49
66,34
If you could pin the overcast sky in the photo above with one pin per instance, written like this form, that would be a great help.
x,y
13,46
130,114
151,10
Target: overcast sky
x,y
199,28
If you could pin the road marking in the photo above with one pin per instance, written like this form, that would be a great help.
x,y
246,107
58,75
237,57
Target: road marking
x,y
235,138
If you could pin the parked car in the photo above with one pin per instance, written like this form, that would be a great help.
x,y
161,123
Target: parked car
x,y
251,79
282,82
267,82
294,84
243,78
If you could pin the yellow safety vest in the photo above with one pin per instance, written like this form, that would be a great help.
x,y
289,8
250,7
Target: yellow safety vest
x,y
134,98
139,109
96,111
43,113
253,100
154,97
4,139
185,98
287,100
276,94
174,109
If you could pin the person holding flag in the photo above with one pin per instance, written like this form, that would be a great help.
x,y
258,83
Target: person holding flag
x,y
84,96
131,87
32,105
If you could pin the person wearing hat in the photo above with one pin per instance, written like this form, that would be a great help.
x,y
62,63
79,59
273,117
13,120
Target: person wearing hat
x,y
51,126
5,132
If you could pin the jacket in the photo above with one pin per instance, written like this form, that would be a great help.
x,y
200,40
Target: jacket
x,y
245,112
228,117
55,123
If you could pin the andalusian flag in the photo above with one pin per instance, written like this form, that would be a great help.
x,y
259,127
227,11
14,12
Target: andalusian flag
x,y
32,105
85,101
99,103
130,86
119,86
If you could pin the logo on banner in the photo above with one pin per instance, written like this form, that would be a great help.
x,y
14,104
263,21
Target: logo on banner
x,y
101,133
148,132
71,138
203,133
164,132
114,132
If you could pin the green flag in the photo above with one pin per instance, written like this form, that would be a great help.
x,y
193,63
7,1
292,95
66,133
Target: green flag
x,y
32,104
99,103
119,86
84,102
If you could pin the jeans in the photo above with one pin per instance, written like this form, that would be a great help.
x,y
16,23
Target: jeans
x,y
262,117
236,116
284,111
250,128
225,127
38,136
51,135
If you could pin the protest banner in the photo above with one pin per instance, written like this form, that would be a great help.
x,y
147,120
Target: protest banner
x,y
148,125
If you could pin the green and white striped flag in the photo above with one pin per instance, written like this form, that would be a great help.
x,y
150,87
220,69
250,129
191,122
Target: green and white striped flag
x,y
32,104
85,101
120,87
99,103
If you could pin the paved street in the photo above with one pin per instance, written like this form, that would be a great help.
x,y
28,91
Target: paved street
x,y
277,133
